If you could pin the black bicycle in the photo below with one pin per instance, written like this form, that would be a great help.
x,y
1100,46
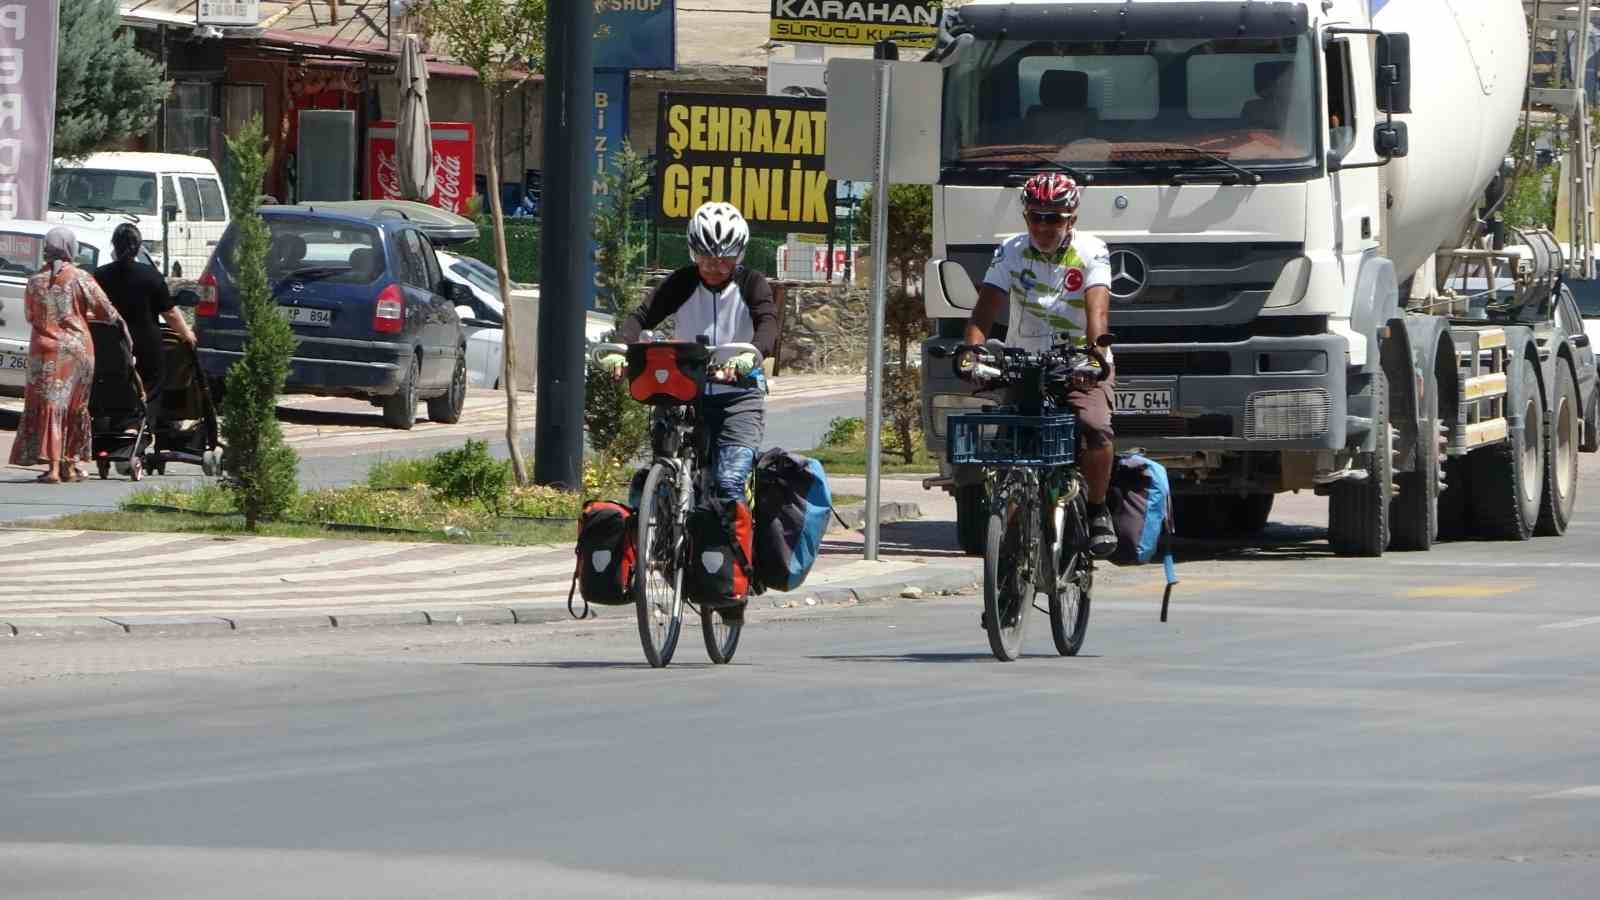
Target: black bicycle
x,y
671,376
1037,496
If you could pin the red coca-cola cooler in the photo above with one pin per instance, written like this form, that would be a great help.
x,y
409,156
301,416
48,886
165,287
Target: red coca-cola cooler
x,y
454,157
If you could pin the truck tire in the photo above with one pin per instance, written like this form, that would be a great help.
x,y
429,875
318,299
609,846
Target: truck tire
x,y
1507,477
1560,492
1358,511
1414,512
1591,426
972,518
1197,516
1454,502
1248,515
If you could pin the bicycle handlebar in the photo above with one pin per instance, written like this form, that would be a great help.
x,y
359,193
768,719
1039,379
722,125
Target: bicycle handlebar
x,y
1006,365
717,366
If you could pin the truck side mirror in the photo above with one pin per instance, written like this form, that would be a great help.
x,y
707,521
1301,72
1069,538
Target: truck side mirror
x,y
957,284
1392,73
1391,140
169,212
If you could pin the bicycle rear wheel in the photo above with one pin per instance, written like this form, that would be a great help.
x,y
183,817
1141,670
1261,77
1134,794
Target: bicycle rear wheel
x,y
658,575
1006,599
1071,578
722,636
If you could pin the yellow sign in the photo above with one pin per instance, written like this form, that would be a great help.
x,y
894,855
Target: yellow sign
x,y
913,23
765,155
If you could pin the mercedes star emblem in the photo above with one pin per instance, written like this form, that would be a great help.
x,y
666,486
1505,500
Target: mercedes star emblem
x,y
1122,201
1128,274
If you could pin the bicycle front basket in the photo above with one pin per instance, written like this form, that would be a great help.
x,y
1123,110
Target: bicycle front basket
x,y
1000,439
667,373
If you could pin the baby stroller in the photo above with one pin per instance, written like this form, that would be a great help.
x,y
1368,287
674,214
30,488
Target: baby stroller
x,y
183,417
116,404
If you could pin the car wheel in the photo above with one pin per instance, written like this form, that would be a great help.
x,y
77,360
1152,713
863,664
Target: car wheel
x,y
400,408
447,409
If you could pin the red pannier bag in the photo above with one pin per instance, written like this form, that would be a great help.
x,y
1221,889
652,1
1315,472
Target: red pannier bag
x,y
719,569
605,550
667,372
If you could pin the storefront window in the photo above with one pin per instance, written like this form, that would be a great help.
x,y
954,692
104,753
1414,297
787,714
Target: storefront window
x,y
190,122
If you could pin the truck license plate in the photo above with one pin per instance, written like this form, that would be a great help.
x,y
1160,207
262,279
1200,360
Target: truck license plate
x,y
1144,402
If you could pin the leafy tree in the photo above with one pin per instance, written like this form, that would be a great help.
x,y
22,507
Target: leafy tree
x,y
503,41
618,427
106,90
258,468
910,246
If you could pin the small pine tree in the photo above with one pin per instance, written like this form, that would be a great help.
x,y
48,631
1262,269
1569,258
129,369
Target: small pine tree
x,y
258,467
910,246
106,90
618,428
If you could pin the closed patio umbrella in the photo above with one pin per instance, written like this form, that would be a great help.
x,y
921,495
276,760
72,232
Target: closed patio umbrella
x,y
413,139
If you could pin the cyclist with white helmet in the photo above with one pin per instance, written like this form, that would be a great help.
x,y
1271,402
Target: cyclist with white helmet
x,y
1056,279
729,303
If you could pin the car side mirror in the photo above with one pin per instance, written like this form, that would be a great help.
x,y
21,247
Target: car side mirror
x,y
186,297
464,313
959,290
169,212
1391,140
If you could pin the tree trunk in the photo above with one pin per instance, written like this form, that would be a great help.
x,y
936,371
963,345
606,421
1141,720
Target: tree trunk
x,y
508,356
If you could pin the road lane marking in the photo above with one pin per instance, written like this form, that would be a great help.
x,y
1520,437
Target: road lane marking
x,y
1586,792
1465,564
1469,591
1407,648
1571,623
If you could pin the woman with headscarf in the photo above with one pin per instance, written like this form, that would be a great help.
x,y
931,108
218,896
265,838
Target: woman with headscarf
x,y
140,294
59,302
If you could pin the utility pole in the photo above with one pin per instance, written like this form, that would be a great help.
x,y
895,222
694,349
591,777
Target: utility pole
x,y
566,217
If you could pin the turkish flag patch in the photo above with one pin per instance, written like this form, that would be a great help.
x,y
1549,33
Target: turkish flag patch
x,y
1074,279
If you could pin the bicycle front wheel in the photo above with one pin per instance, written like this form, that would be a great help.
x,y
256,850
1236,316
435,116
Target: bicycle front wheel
x,y
1006,599
722,636
1071,577
658,573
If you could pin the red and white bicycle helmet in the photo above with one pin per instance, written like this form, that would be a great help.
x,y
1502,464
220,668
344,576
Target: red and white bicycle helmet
x,y
1051,190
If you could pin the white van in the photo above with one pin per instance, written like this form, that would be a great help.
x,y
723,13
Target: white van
x,y
107,189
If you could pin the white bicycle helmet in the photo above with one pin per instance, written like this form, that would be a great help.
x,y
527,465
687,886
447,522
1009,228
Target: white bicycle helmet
x,y
717,229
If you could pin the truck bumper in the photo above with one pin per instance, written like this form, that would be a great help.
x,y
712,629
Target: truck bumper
x,y
1266,393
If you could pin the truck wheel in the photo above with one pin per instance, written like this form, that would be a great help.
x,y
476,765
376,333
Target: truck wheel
x,y
1560,457
972,518
1248,515
1591,427
1414,512
1200,517
1454,503
1506,477
1358,511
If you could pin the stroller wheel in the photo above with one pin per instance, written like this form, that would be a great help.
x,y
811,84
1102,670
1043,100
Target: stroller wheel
x,y
135,469
208,463
123,468
104,468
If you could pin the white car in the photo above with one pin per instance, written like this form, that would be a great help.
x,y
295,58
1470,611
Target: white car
x,y
483,322
21,257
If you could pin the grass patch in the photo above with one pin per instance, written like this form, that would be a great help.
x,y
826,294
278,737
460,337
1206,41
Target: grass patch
x,y
507,532
398,473
840,501
843,451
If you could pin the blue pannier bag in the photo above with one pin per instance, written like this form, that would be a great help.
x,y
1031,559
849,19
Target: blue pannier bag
x,y
792,506
1140,503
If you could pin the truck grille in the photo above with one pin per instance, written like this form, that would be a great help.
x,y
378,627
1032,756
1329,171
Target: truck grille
x,y
1200,362
1286,415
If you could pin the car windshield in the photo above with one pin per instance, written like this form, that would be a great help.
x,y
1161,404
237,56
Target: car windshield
x,y
103,190
309,248
1130,111
21,254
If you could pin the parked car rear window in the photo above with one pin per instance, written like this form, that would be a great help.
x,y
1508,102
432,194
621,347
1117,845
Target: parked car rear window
x,y
318,249
103,190
22,255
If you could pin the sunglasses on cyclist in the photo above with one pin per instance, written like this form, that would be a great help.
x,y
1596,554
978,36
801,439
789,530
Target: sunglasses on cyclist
x,y
1046,218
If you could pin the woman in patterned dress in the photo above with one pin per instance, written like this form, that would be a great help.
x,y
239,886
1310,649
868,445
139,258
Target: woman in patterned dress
x,y
60,301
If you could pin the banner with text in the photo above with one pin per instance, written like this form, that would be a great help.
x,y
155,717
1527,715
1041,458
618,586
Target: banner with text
x,y
27,106
856,21
635,34
762,154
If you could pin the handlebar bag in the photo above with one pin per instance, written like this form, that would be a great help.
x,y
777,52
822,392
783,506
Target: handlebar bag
x,y
718,570
606,554
667,372
793,504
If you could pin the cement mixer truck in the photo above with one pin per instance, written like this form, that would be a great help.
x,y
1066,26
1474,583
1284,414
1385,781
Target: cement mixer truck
x,y
1287,190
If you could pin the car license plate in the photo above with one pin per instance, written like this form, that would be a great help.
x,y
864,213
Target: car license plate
x,y
305,315
11,361
1144,402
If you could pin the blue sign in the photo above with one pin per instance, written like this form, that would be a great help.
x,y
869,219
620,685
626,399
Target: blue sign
x,y
1378,5
610,130
635,34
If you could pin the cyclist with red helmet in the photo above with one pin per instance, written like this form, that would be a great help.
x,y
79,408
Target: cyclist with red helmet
x,y
1057,279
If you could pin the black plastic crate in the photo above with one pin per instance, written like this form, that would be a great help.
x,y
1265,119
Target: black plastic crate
x,y
1000,439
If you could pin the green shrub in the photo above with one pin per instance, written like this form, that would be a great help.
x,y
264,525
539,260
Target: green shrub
x,y
398,473
469,474
543,502
845,432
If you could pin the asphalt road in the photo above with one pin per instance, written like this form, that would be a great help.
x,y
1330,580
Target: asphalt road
x,y
1418,726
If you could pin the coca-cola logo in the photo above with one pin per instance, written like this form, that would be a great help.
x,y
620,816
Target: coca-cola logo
x,y
447,178
388,174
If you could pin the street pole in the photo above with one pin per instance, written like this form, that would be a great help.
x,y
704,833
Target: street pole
x,y
880,293
564,244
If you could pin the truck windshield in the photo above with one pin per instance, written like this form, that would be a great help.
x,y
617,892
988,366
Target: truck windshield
x,y
103,190
1131,111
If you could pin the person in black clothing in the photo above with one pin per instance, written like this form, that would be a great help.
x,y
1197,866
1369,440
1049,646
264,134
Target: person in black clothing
x,y
139,292
728,303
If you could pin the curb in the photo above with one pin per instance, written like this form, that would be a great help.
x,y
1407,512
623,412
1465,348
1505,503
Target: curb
x,y
854,516
938,582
